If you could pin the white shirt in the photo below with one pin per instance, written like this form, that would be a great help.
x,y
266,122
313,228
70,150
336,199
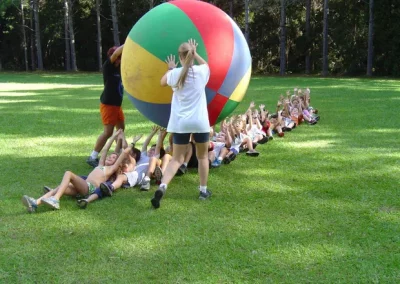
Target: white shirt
x,y
189,112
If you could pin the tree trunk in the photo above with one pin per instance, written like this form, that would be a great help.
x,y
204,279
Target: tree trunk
x,y
72,37
151,4
37,36
370,38
115,22
308,45
32,26
325,41
24,37
67,39
231,8
282,41
246,15
99,50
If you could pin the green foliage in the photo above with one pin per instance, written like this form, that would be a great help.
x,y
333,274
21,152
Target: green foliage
x,y
317,206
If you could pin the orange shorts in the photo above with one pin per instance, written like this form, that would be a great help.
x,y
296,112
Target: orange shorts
x,y
111,115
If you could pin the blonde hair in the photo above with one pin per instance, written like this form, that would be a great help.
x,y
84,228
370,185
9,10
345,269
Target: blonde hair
x,y
186,53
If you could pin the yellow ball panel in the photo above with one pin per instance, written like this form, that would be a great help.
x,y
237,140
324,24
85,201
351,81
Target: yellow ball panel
x,y
139,70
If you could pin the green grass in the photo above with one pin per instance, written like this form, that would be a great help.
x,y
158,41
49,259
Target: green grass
x,y
320,205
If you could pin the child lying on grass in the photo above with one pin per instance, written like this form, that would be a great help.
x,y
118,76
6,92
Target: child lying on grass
x,y
73,184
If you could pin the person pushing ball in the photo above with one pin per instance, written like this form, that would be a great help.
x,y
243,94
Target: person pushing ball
x,y
189,115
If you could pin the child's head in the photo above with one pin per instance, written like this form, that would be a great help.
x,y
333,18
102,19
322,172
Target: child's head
x,y
135,153
151,151
111,159
238,123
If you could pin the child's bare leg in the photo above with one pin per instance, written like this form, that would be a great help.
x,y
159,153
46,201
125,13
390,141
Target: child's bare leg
x,y
119,181
165,160
188,154
152,165
92,198
223,153
79,185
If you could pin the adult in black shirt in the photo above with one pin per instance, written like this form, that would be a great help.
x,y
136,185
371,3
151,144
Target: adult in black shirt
x,y
110,101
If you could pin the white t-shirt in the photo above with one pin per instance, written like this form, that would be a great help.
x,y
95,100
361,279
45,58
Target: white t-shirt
x,y
189,112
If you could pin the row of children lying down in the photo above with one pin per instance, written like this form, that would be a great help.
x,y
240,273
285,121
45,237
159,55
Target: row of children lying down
x,y
128,166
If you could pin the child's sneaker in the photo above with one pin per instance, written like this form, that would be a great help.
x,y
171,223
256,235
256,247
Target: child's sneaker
x,y
157,197
92,162
46,189
205,195
216,163
182,170
29,203
158,175
263,140
145,186
253,153
82,203
52,202
106,189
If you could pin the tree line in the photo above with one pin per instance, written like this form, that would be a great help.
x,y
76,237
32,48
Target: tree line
x,y
327,37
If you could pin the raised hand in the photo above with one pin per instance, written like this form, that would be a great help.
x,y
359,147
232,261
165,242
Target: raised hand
x,y
193,44
171,61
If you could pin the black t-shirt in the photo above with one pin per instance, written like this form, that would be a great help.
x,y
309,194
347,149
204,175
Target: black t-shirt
x,y
113,90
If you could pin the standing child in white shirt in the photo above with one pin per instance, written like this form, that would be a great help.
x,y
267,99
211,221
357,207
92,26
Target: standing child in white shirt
x,y
189,115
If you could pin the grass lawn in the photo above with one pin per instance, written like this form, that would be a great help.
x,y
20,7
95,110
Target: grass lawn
x,y
320,205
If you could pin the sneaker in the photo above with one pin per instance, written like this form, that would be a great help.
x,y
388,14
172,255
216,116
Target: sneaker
x,y
232,157
216,163
46,189
158,175
92,162
29,203
157,197
263,140
252,153
182,170
205,195
106,189
82,203
145,184
52,202
243,149
226,160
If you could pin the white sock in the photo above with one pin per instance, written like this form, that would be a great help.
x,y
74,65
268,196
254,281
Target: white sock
x,y
94,154
219,158
164,185
185,164
203,188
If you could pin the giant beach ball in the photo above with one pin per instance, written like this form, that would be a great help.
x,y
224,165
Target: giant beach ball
x,y
160,32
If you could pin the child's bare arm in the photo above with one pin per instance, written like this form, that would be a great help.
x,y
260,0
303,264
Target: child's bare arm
x,y
107,147
146,142
160,141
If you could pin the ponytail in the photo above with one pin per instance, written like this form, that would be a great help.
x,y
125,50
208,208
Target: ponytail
x,y
187,63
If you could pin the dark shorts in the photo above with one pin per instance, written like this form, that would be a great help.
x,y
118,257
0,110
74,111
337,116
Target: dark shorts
x,y
184,138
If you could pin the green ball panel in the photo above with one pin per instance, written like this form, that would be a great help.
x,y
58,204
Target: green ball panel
x,y
229,107
161,30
